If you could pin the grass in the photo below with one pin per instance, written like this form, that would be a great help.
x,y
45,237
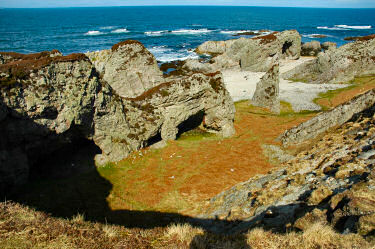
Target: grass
x,y
336,97
40,230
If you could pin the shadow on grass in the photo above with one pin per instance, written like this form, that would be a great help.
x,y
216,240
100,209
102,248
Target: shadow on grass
x,y
67,183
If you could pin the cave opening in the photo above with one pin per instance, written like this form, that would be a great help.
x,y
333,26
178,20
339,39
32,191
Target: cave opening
x,y
153,140
192,123
286,46
69,159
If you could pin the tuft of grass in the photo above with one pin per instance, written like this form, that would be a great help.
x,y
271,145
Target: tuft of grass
x,y
316,236
183,232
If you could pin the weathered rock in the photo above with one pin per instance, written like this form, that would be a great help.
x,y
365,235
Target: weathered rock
x,y
328,45
312,48
338,65
305,190
327,120
253,54
46,104
267,89
128,67
7,57
214,47
315,216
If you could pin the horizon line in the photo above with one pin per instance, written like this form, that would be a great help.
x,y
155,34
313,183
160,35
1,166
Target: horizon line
x,y
119,6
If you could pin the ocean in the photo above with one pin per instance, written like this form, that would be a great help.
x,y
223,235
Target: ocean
x,y
169,32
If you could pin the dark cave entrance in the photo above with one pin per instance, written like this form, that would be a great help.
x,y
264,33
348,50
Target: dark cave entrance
x,y
191,123
286,46
69,159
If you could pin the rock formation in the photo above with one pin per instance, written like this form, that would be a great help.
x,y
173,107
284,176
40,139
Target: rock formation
x,y
329,45
253,54
128,67
267,89
312,48
48,102
338,65
331,183
327,120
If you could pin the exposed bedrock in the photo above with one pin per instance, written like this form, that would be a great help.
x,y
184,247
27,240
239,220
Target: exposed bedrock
x,y
267,89
332,183
253,54
50,102
338,65
327,120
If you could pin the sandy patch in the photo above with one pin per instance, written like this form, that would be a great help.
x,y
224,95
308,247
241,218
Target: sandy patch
x,y
241,86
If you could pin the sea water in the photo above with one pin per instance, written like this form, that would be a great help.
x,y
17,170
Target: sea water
x,y
170,33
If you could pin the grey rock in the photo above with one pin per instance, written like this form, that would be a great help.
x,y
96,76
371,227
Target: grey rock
x,y
329,45
324,121
267,89
59,99
339,65
253,54
312,48
128,67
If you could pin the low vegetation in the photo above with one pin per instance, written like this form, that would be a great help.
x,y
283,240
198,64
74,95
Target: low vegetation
x,y
150,194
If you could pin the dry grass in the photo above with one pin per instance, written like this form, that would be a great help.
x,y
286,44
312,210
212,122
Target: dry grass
x,y
183,232
317,236
22,227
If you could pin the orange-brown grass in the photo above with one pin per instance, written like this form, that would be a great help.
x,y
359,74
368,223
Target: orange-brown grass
x,y
181,176
336,97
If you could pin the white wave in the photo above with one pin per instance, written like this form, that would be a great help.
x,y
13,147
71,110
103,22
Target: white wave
x,y
344,27
119,31
353,27
165,54
190,31
155,33
232,32
108,27
94,32
331,28
315,35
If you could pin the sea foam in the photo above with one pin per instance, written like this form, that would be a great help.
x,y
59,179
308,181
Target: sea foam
x,y
119,31
94,32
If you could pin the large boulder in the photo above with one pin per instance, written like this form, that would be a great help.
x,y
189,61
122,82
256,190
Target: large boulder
x,y
49,103
267,89
312,48
128,67
328,45
253,54
338,65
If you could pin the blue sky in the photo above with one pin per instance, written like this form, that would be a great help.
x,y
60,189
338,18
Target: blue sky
x,y
286,3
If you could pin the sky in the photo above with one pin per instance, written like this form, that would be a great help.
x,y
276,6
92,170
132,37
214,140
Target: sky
x,y
276,3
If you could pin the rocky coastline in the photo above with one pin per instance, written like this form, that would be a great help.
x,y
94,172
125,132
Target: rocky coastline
x,y
122,101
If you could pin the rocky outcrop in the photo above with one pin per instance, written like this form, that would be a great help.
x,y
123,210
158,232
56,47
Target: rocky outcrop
x,y
338,65
48,103
215,47
7,57
331,183
329,45
267,89
128,67
253,54
327,120
312,48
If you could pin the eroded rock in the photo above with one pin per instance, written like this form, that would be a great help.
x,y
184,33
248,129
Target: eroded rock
x,y
253,54
128,67
339,65
312,48
49,102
